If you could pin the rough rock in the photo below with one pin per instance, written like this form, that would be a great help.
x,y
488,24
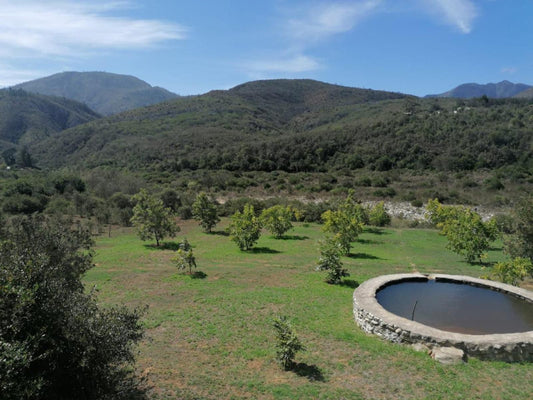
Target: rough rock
x,y
448,355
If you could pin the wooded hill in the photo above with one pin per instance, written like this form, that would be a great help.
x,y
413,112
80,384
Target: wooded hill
x,y
28,118
302,125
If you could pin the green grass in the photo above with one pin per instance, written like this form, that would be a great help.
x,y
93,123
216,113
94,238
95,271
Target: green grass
x,y
212,338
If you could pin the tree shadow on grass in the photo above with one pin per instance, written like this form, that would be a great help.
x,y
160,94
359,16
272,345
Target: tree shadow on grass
x,y
486,264
293,237
263,250
494,248
163,246
376,231
311,372
219,233
198,275
363,256
368,241
349,283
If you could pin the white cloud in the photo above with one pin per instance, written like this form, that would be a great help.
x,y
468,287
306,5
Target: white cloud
x,y
62,28
509,70
321,21
292,64
458,13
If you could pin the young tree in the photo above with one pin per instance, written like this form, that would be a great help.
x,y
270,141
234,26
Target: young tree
x,y
513,272
55,340
330,260
204,210
245,228
152,219
346,223
465,230
184,257
277,220
287,344
378,216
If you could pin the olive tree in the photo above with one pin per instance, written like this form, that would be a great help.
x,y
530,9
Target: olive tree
x,y
152,219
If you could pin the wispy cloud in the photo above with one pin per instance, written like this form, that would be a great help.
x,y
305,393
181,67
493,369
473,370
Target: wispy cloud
x,y
64,28
305,27
457,13
509,70
292,64
321,21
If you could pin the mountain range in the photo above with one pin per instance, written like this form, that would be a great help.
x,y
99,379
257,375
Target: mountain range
x,y
104,92
499,90
292,125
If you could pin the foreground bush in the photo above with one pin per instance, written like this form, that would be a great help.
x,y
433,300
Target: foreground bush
x,y
55,341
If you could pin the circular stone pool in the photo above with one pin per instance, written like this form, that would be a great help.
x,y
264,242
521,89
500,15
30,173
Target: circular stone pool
x,y
487,320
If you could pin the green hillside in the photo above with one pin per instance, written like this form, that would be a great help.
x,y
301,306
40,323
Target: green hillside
x,y
298,126
26,118
104,92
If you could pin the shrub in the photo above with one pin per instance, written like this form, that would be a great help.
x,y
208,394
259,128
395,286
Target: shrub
x,y
287,344
330,260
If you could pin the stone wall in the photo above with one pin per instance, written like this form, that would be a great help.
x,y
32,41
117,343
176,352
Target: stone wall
x,y
374,319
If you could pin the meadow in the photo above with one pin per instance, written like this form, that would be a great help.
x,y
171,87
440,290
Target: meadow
x,y
212,337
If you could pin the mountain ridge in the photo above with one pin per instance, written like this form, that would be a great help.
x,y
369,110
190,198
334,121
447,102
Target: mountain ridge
x,y
106,93
498,90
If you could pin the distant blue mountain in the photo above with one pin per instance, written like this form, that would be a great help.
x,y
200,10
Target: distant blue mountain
x,y
494,90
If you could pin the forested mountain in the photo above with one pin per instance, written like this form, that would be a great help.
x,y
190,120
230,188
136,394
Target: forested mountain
x,y
26,118
499,90
104,92
302,125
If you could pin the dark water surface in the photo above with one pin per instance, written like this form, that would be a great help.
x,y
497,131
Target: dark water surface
x,y
458,307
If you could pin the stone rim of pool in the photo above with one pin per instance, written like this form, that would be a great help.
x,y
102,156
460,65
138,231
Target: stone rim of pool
x,y
373,318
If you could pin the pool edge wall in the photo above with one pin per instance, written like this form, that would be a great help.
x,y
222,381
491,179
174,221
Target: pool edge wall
x,y
374,319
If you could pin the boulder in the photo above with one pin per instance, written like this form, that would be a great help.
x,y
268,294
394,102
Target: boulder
x,y
448,355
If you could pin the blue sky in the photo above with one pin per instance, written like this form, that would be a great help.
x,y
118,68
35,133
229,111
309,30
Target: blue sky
x,y
191,47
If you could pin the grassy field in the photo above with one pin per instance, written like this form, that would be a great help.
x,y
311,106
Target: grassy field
x,y
212,338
